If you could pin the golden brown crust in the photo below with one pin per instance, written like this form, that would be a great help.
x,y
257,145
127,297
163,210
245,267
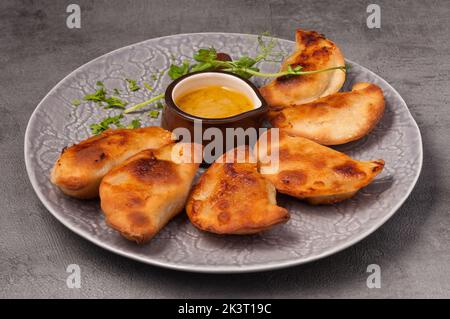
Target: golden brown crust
x,y
313,52
80,167
140,196
233,198
335,119
313,172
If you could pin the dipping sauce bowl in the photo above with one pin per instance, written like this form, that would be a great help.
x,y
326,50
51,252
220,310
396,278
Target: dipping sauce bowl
x,y
174,117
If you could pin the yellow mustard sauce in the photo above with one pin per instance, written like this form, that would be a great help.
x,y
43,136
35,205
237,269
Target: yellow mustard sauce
x,y
214,102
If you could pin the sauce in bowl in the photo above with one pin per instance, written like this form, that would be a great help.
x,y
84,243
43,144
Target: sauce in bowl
x,y
214,102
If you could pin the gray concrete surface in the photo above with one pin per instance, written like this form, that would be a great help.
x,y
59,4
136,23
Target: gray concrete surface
x,y
411,51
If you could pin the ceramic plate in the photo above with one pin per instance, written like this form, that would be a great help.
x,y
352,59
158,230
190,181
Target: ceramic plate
x,y
312,232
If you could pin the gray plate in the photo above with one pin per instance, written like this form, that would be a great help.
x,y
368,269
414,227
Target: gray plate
x,y
312,232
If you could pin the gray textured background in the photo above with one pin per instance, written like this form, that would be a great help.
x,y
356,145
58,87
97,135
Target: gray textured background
x,y
411,51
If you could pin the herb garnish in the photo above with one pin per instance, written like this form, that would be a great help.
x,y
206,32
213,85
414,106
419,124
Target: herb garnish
x,y
114,101
98,96
105,124
145,103
175,71
136,123
244,67
153,114
207,59
132,85
148,86
75,102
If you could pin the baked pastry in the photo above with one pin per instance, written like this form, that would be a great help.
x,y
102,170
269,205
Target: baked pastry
x,y
313,52
304,169
140,196
334,119
233,198
80,167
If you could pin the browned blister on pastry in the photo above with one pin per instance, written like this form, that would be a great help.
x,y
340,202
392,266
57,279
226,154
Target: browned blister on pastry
x,y
335,119
140,196
313,172
313,52
80,167
233,198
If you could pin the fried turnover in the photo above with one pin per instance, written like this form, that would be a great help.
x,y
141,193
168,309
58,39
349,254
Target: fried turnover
x,y
313,52
335,119
313,172
140,196
233,198
80,167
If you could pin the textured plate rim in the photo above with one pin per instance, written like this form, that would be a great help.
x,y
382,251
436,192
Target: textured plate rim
x,y
206,268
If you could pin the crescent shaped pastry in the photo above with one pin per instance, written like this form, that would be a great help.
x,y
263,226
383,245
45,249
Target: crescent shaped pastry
x,y
233,198
335,119
313,172
140,196
313,52
80,168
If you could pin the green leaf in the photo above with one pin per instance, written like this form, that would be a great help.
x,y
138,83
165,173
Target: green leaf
x,y
202,66
96,128
205,55
244,74
159,105
132,85
136,123
148,86
98,96
105,124
99,83
116,91
175,71
114,101
245,62
75,102
153,114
